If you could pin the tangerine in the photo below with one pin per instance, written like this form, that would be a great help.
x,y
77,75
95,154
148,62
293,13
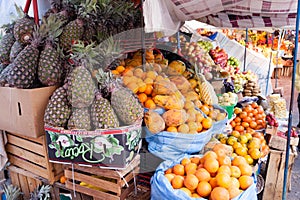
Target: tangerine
x,y
62,179
170,177
224,169
202,174
233,191
185,161
187,191
219,193
246,169
213,182
223,180
224,160
205,109
235,182
149,103
172,129
178,169
211,165
149,89
195,160
238,160
243,115
177,182
169,171
191,182
204,189
190,167
245,182
207,123
142,97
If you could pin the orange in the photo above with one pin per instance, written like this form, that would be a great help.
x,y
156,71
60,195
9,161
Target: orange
x,y
170,177
219,193
255,112
255,153
128,72
115,72
235,171
245,182
172,129
211,165
235,133
185,161
232,124
243,115
190,167
178,169
200,127
237,119
224,169
239,128
233,192
249,159
245,124
207,123
260,110
62,179
195,160
254,105
235,182
142,97
187,191
177,182
210,154
238,160
248,109
169,171
120,69
196,195
246,169
202,174
224,160
150,104
223,180
237,110
236,145
204,189
149,89
213,182
241,151
191,182
142,87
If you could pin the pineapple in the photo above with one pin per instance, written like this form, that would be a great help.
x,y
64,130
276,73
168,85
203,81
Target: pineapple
x,y
23,29
58,109
6,43
3,75
80,119
81,87
23,72
102,114
74,30
49,68
16,48
124,102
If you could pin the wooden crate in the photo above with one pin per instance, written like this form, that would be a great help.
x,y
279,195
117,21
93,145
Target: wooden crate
x,y
31,154
25,180
59,188
277,142
275,175
107,184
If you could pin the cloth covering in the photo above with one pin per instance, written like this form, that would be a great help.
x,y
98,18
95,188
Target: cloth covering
x,y
167,15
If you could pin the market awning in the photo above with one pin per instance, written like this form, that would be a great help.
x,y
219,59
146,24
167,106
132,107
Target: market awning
x,y
168,15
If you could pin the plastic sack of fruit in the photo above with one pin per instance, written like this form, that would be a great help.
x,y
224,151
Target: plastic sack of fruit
x,y
169,146
162,189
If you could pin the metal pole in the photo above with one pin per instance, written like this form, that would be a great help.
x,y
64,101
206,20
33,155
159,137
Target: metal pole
x,y
268,76
287,151
143,36
245,54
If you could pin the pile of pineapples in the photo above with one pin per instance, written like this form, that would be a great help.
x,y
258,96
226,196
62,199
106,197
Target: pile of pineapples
x,y
69,49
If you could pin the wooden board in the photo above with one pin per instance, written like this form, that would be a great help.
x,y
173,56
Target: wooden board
x,y
275,175
106,184
31,154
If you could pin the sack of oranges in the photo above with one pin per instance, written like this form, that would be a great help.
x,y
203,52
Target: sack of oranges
x,y
211,176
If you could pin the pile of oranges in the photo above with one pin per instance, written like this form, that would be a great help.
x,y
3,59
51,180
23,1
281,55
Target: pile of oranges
x,y
214,176
249,118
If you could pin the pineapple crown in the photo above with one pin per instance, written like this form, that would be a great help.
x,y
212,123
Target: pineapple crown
x,y
38,36
107,82
85,55
11,192
51,28
41,192
10,26
87,10
109,50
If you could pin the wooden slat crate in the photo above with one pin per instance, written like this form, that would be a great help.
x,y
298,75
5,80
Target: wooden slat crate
x,y
59,188
25,180
31,154
107,184
275,174
277,142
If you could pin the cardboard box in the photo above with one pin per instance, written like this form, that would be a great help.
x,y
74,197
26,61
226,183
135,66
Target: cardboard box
x,y
22,110
111,148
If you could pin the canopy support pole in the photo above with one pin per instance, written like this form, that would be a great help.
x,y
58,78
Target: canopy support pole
x,y
268,76
287,151
245,54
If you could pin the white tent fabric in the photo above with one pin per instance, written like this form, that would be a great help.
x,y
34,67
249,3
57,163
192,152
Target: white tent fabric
x,y
167,15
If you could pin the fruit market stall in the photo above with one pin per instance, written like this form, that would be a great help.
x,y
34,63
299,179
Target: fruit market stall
x,y
104,95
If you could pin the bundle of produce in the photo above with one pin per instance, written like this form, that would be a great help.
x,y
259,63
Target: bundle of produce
x,y
251,88
248,118
252,145
36,56
278,106
211,176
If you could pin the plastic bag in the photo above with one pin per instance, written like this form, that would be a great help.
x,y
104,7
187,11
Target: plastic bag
x,y
162,189
170,145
